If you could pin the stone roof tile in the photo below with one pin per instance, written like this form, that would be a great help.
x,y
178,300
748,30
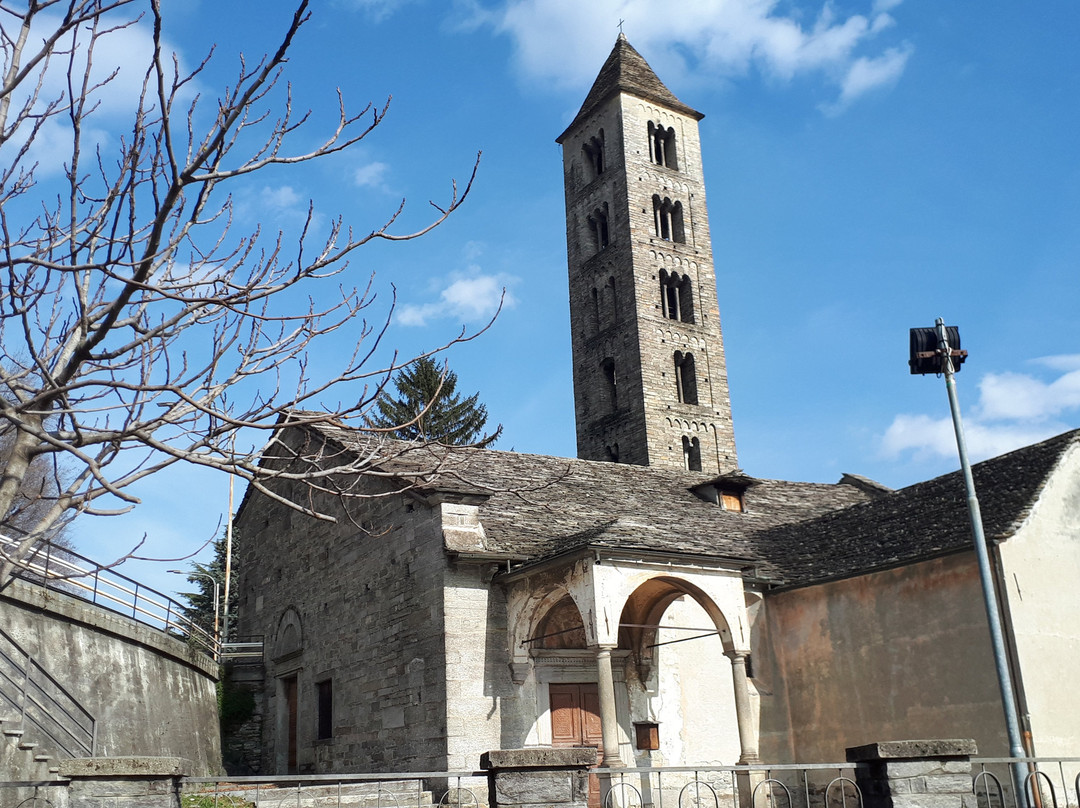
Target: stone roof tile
x,y
626,71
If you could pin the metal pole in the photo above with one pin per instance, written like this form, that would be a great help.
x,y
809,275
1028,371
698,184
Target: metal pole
x,y
993,616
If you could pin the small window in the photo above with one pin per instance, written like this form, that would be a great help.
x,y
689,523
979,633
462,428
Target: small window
x,y
691,453
685,378
607,367
732,501
613,452
325,695
598,225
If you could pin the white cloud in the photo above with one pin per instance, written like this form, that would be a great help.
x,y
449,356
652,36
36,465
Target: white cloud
x,y
470,298
866,74
724,38
379,9
1013,410
371,175
282,198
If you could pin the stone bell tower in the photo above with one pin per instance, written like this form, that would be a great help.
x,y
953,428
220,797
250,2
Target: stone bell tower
x,y
650,381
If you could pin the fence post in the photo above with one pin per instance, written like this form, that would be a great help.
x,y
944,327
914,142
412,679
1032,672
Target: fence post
x,y
915,774
530,778
124,782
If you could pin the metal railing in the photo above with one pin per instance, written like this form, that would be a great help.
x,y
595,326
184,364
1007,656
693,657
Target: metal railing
x,y
824,785
467,789
36,697
63,570
1048,782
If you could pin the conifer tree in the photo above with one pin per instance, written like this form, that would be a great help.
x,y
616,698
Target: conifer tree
x,y
428,408
201,602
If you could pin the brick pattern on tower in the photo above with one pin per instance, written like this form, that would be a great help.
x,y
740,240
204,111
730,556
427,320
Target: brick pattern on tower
x,y
650,380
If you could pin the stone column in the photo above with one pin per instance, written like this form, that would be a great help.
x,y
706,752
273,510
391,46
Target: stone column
x,y
124,782
747,743
915,774
538,778
609,722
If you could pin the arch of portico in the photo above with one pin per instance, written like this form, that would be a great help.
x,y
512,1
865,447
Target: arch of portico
x,y
621,599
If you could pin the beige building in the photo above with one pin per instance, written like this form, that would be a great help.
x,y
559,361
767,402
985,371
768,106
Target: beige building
x,y
650,598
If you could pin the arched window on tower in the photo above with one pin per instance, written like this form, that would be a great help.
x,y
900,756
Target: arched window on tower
x,y
593,150
685,378
662,146
691,448
594,313
676,297
598,225
612,452
607,368
668,219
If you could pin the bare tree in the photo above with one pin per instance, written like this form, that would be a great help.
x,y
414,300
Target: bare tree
x,y
136,329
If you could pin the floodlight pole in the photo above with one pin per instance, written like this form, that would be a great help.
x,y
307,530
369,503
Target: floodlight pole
x,y
993,616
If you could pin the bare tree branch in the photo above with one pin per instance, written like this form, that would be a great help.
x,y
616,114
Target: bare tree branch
x,y
137,329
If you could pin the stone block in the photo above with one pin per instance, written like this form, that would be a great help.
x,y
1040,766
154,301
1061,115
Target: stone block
x,y
530,787
894,750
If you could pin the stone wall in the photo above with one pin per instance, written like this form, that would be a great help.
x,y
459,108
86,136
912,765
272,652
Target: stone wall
x,y
363,599
148,692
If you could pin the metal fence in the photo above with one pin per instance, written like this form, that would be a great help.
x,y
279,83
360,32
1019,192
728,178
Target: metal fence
x,y
825,785
1047,782
63,570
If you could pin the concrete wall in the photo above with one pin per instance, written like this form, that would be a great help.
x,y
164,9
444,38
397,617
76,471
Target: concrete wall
x,y
366,608
1041,565
149,693
901,653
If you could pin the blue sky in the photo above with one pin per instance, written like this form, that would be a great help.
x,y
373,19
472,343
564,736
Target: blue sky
x,y
869,165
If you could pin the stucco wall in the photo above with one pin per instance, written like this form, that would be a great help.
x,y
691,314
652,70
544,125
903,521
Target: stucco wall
x,y
1041,565
149,693
369,607
902,653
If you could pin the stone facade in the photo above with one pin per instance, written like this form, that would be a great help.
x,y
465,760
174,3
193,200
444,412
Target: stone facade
x,y
650,379
361,609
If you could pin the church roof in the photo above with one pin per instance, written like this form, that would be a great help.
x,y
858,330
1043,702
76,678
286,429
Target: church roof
x,y
921,521
537,506
626,71
534,507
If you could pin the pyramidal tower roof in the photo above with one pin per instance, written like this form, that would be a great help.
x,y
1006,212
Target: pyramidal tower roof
x,y
626,71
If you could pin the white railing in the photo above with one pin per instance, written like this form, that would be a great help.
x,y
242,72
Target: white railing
x,y
63,570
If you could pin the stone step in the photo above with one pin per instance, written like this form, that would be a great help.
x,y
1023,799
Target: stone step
x,y
27,745
12,732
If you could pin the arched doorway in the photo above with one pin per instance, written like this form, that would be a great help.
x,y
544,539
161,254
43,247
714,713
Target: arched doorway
x,y
680,680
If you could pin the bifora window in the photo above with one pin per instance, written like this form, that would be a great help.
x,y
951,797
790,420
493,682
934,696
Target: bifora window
x,y
593,151
691,453
598,226
668,219
676,297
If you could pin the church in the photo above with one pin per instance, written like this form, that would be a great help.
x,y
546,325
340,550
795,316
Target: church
x,y
649,598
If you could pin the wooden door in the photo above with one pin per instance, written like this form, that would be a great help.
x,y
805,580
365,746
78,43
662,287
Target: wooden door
x,y
575,721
